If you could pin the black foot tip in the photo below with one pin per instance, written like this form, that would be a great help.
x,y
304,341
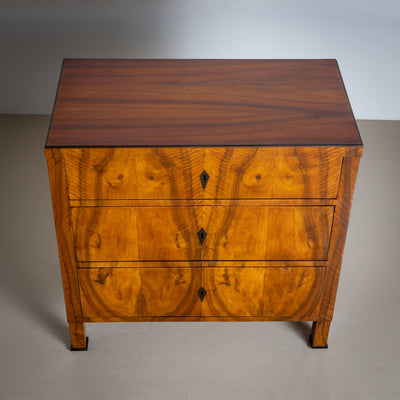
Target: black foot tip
x,y
84,349
316,347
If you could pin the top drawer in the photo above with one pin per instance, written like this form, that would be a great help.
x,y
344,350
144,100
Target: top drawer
x,y
202,173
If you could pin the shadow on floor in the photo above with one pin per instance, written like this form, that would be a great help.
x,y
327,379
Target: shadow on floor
x,y
301,328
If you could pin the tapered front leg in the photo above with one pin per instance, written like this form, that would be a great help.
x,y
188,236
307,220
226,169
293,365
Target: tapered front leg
x,y
79,340
319,334
66,251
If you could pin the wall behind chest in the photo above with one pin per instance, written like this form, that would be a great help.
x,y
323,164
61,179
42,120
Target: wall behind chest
x,y
362,36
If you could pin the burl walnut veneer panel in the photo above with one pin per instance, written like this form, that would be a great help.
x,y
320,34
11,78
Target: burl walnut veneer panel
x,y
231,233
262,293
174,173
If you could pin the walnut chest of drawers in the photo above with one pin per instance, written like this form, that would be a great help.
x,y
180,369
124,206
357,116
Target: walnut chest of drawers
x,y
201,190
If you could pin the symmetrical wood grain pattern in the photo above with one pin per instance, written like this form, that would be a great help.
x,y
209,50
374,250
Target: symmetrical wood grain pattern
x,y
233,233
292,293
201,102
127,144
145,292
287,293
174,173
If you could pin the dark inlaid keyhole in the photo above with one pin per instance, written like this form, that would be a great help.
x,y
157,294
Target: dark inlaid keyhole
x,y
204,179
202,234
202,293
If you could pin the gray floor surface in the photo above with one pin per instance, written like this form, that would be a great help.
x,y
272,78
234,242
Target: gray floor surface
x,y
197,360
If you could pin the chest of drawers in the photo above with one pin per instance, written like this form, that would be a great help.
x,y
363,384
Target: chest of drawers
x,y
201,190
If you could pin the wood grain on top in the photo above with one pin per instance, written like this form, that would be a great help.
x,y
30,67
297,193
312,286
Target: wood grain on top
x,y
106,102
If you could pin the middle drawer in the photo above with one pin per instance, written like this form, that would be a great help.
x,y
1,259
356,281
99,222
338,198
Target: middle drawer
x,y
202,233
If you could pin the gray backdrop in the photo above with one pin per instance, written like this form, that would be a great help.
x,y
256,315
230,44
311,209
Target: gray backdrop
x,y
363,35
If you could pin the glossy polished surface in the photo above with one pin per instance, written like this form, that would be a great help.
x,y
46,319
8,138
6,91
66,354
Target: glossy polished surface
x,y
107,102
257,129
153,294
233,173
171,233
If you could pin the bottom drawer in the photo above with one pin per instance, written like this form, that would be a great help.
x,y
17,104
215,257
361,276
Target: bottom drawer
x,y
259,293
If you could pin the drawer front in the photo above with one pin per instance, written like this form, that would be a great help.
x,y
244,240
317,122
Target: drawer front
x,y
229,233
177,173
273,292
139,292
292,293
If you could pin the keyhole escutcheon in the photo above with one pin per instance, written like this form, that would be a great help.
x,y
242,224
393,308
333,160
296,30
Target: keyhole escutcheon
x,y
202,293
204,179
202,234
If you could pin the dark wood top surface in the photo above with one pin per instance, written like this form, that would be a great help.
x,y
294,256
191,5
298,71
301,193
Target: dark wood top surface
x,y
106,102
